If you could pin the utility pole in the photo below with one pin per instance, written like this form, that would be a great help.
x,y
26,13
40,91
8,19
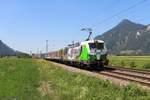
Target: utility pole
x,y
41,56
73,43
46,48
30,53
37,50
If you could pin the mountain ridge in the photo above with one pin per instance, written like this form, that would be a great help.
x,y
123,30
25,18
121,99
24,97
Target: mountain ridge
x,y
127,38
5,50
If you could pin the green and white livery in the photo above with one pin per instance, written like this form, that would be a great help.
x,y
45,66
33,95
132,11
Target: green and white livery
x,y
91,52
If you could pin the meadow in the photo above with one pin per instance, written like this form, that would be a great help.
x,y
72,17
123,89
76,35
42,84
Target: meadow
x,y
139,62
36,79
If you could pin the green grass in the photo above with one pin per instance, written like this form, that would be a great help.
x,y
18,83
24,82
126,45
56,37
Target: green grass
x,y
139,62
19,78
30,79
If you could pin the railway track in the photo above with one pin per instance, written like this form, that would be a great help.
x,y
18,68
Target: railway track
x,y
129,69
132,75
137,76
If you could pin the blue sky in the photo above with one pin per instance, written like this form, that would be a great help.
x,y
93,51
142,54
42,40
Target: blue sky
x,y
26,24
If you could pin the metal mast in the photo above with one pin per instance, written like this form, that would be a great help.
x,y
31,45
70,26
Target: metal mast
x,y
46,48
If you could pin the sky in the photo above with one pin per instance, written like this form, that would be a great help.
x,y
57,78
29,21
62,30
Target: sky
x,y
25,25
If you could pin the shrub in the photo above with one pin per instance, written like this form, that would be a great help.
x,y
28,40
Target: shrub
x,y
122,63
23,55
132,64
146,66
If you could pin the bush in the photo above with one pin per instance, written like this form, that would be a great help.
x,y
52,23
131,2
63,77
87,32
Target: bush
x,y
23,55
122,63
146,66
132,65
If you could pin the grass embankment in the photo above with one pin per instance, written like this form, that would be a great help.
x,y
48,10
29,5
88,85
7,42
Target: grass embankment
x,y
29,79
139,62
19,78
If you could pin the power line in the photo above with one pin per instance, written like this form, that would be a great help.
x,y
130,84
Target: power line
x,y
143,19
122,11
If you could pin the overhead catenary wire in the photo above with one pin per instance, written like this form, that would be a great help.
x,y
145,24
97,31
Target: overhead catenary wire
x,y
120,12
143,19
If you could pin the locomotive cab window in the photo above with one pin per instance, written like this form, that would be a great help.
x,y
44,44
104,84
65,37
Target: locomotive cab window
x,y
98,46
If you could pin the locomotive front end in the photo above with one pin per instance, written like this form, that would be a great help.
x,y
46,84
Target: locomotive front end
x,y
97,53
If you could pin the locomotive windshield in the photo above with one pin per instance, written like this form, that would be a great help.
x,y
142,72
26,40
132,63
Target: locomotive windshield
x,y
97,46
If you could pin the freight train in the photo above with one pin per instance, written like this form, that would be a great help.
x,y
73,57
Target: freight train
x,y
86,53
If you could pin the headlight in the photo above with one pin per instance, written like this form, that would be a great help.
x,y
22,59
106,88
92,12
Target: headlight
x,y
98,56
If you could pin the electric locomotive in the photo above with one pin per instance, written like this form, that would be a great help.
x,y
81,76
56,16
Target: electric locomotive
x,y
87,53
91,52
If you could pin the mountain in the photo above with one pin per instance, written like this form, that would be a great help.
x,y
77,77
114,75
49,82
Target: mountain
x,y
6,50
127,38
